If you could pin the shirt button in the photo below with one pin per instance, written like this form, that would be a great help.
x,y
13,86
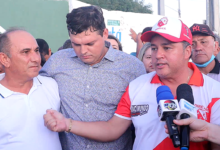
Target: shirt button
x,y
88,86
86,105
88,146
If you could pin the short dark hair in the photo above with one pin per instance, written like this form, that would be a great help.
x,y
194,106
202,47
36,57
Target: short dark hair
x,y
85,18
5,43
114,38
43,46
67,44
146,29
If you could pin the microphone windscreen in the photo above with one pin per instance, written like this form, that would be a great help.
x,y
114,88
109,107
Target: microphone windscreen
x,y
163,93
184,91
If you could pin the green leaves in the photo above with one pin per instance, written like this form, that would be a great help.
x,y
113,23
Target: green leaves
x,y
122,5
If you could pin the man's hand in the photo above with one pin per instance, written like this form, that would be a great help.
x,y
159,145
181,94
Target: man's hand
x,y
199,128
55,121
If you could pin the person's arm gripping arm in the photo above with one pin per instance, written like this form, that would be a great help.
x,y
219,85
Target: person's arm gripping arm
x,y
103,131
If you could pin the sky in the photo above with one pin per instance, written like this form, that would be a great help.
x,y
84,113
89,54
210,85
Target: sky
x,y
192,11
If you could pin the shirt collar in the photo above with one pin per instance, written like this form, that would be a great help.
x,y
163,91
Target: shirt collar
x,y
5,92
196,78
110,55
216,68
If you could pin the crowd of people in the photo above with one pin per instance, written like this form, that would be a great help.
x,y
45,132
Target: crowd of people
x,y
91,95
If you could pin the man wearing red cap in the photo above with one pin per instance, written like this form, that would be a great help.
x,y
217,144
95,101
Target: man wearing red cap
x,y
203,48
171,49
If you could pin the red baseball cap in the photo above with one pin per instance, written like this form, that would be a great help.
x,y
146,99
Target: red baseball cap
x,y
171,29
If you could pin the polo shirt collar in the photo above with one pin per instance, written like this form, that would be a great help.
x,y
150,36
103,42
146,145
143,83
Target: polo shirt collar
x,y
110,55
5,92
196,78
216,68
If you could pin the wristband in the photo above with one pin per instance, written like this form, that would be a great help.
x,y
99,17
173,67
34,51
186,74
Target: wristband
x,y
70,126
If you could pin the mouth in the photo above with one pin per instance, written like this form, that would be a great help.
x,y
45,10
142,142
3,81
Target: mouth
x,y
161,65
34,67
85,57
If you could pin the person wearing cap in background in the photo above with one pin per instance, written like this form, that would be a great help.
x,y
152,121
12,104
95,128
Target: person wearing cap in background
x,y
203,48
171,49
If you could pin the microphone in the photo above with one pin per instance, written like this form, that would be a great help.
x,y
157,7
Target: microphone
x,y
167,110
187,110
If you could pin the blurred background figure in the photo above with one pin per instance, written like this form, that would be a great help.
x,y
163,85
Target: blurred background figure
x,y
145,56
217,40
1,66
67,44
114,42
137,39
45,51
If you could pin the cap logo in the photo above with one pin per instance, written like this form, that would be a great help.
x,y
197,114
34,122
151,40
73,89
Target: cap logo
x,y
162,22
204,30
196,28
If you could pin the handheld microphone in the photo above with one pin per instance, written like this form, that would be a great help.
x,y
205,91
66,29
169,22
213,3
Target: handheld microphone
x,y
187,110
167,109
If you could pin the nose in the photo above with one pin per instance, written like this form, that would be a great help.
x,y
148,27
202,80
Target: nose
x,y
159,53
83,49
35,56
197,46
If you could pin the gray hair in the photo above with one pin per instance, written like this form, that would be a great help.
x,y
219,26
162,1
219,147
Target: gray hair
x,y
5,43
217,38
143,50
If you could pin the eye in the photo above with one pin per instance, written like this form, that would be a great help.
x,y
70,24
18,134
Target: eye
x,y
167,48
90,44
76,44
153,48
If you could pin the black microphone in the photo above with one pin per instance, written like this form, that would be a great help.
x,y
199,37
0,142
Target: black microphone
x,y
187,109
167,109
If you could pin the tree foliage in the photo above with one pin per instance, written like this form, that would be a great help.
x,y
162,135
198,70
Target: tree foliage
x,y
122,5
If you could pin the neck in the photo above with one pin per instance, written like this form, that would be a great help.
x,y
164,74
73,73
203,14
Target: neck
x,y
209,68
17,85
179,78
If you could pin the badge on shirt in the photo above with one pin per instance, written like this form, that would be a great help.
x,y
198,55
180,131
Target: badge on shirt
x,y
139,110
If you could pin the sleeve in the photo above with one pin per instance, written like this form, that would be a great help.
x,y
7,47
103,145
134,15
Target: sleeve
x,y
214,107
123,110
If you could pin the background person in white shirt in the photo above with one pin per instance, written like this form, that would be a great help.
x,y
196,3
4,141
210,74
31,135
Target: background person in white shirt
x,y
25,96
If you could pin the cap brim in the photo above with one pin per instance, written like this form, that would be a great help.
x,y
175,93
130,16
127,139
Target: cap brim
x,y
147,36
200,32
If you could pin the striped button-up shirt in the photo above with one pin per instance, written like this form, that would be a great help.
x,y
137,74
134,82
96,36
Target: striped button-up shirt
x,y
92,93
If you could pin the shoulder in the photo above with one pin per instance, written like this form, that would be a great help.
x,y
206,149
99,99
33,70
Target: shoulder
x,y
122,56
63,53
143,79
211,85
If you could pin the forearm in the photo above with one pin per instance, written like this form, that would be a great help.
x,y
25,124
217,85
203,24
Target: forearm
x,y
100,131
139,46
214,133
